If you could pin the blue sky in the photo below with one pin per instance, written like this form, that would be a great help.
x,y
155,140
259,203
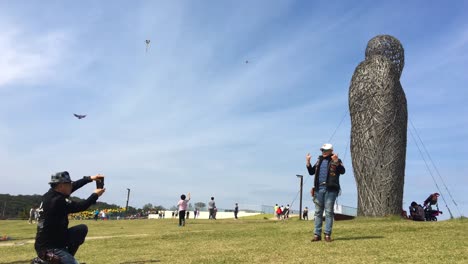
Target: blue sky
x,y
190,115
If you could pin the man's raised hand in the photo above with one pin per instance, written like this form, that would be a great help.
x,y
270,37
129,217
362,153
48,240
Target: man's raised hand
x,y
99,192
97,176
334,157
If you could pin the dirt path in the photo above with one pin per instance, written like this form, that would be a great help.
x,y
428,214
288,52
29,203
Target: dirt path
x,y
31,241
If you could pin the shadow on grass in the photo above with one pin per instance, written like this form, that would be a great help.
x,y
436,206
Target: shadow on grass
x,y
18,261
358,238
141,261
130,262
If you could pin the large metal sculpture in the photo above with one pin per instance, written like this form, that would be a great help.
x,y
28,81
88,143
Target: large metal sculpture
x,y
379,115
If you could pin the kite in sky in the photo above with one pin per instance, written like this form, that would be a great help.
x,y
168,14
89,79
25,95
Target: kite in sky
x,y
147,44
79,116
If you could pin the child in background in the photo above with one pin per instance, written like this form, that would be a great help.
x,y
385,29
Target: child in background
x,y
279,213
182,208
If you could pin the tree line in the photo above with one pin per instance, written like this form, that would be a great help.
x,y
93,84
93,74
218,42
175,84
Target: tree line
x,y
18,206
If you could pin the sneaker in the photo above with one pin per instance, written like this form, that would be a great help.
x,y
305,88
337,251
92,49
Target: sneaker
x,y
328,238
316,238
37,260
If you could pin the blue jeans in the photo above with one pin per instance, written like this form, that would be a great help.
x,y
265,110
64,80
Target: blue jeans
x,y
65,257
324,199
76,237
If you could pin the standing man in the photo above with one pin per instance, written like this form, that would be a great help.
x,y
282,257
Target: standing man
x,y
211,208
327,170
96,215
286,212
236,211
32,215
182,204
55,242
305,214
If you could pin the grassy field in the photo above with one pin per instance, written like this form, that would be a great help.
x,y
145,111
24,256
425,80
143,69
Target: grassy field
x,y
254,240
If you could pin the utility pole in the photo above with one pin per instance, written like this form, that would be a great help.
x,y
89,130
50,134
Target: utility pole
x,y
4,207
128,197
300,197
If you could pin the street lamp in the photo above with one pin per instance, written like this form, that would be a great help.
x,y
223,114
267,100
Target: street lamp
x,y
300,197
128,197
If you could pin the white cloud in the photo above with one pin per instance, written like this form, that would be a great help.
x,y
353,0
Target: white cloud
x,y
29,57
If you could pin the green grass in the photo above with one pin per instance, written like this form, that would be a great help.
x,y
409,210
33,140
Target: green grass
x,y
255,240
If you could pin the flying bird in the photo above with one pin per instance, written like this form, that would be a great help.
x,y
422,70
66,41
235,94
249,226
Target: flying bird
x,y
79,116
246,61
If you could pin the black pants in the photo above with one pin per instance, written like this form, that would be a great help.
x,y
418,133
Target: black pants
x,y
182,218
76,237
235,214
212,214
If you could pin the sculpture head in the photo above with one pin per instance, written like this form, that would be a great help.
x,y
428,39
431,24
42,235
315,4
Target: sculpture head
x,y
389,47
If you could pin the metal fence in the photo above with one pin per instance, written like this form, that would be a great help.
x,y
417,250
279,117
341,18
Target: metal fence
x,y
346,210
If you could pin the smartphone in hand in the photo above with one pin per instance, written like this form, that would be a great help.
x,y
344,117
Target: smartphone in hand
x,y
100,183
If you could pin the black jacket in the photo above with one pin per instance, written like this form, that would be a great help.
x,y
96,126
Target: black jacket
x,y
335,169
52,227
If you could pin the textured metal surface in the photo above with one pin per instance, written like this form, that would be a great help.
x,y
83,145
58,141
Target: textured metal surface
x,y
388,47
378,110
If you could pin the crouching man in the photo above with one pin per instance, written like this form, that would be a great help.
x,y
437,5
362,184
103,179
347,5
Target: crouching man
x,y
55,242
416,212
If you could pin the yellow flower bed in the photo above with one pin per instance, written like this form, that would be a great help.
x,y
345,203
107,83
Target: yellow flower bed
x,y
90,214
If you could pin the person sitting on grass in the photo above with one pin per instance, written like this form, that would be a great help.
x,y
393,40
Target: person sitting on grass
x,y
430,201
416,212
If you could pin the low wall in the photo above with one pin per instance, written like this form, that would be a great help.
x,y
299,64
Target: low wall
x,y
205,214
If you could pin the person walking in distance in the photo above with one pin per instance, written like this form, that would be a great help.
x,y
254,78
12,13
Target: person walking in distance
x,y
211,208
32,215
236,211
305,214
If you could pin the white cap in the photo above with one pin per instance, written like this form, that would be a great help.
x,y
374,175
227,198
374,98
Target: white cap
x,y
327,146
